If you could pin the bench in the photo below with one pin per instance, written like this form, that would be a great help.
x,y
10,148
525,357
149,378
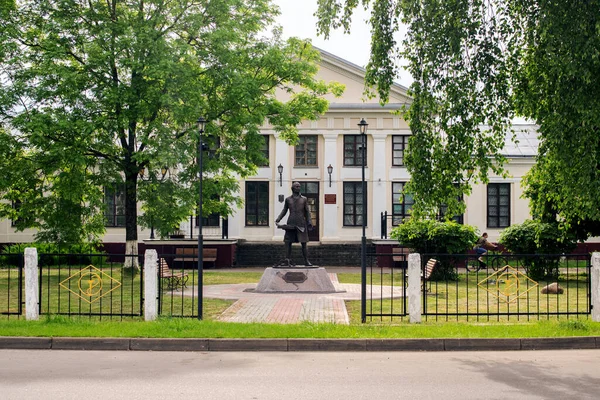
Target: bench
x,y
190,254
426,274
173,280
400,254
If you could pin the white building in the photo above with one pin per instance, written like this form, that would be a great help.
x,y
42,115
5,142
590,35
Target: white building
x,y
333,144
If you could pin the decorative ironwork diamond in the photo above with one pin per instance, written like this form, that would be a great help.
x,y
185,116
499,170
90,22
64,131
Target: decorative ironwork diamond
x,y
508,284
91,284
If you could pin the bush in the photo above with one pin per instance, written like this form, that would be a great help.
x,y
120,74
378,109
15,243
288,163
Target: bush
x,y
77,254
435,237
536,237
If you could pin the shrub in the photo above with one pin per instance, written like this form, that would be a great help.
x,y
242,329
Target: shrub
x,y
435,237
536,237
84,253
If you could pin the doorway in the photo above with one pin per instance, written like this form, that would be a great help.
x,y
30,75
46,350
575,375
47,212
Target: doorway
x,y
310,190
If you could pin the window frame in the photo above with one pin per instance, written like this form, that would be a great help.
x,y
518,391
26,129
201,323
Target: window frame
x,y
256,204
403,144
303,146
489,205
355,145
404,214
118,198
356,216
265,150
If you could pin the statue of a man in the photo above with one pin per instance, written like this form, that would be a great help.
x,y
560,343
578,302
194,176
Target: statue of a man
x,y
298,223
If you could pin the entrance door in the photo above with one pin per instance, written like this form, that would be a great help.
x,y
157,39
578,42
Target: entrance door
x,y
310,190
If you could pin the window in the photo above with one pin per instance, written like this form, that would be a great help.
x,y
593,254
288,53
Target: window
x,y
257,203
498,205
212,219
399,144
353,204
114,213
21,220
353,155
265,151
211,144
401,203
306,151
459,219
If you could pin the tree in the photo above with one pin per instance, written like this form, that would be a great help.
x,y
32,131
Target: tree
x,y
475,64
99,91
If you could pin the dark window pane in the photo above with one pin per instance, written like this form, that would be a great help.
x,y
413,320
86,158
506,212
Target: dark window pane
x,y
257,203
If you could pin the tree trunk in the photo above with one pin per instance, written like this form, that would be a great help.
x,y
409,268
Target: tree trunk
x,y
131,242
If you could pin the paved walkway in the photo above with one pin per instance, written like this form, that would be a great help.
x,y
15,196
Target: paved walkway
x,y
289,308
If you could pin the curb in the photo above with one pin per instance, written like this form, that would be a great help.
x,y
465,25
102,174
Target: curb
x,y
205,345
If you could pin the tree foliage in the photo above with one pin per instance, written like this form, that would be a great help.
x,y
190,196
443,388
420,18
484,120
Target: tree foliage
x,y
98,91
436,237
475,63
536,237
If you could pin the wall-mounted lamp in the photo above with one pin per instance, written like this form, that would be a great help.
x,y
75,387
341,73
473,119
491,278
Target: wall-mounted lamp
x,y
280,170
329,171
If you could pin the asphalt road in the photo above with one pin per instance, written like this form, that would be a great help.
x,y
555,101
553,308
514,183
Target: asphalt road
x,y
562,374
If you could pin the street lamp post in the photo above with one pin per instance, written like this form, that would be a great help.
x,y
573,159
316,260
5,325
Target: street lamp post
x,y
362,126
201,125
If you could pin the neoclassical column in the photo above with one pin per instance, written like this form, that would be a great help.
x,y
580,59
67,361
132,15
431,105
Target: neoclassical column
x,y
379,190
329,213
282,151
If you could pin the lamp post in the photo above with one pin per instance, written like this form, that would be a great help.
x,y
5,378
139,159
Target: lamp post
x,y
280,170
201,124
362,127
329,171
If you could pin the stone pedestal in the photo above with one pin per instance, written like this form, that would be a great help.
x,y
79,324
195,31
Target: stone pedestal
x,y
296,280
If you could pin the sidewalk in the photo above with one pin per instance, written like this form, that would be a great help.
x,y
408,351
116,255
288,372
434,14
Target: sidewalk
x,y
290,308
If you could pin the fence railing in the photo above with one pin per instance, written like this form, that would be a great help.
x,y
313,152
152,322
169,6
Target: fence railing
x,y
460,287
386,287
177,280
508,287
11,285
90,285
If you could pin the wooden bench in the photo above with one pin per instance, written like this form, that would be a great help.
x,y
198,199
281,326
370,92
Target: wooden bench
x,y
400,255
426,273
190,254
173,280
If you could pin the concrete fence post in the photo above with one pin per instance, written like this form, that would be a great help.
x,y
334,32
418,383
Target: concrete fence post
x,y
414,288
32,284
150,285
595,281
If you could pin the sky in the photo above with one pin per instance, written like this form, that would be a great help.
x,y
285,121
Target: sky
x,y
297,20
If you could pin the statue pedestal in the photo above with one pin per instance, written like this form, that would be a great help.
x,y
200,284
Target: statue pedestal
x,y
296,280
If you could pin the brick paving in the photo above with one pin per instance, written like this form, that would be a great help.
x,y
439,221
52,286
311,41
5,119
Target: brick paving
x,y
290,308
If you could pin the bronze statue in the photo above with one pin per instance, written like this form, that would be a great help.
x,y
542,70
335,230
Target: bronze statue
x,y
298,223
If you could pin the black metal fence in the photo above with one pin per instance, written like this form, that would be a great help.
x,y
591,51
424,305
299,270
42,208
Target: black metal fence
x,y
507,287
178,285
386,287
92,285
11,285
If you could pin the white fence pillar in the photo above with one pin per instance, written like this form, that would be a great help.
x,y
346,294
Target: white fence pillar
x,y
150,285
595,281
31,284
414,288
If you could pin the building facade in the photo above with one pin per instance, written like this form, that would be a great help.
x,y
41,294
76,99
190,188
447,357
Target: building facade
x,y
328,164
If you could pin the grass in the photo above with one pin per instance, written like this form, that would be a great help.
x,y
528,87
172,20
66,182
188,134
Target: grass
x,y
458,297
60,326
